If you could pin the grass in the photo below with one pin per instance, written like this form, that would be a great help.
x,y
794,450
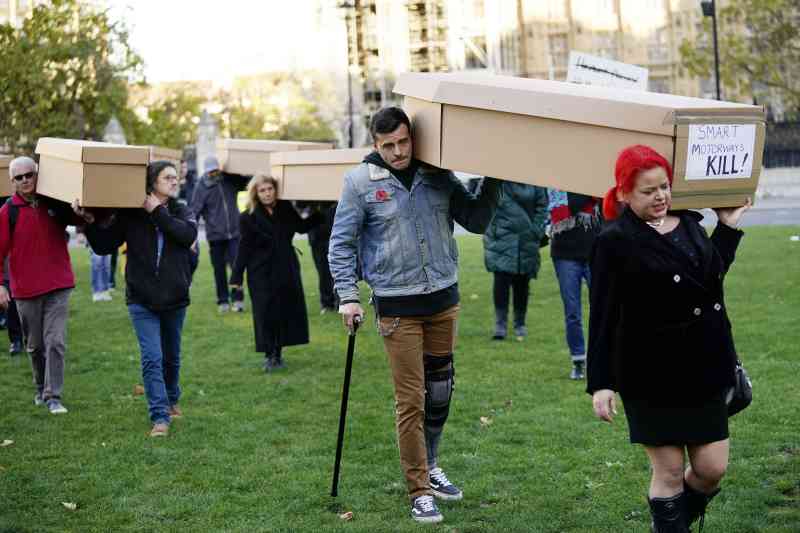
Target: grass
x,y
254,452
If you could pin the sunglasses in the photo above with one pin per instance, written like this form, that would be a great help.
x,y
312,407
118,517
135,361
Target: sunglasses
x,y
27,175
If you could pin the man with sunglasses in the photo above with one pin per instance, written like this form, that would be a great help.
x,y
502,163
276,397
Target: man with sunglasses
x,y
32,238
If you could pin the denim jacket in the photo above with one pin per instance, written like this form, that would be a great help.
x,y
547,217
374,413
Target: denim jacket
x,y
403,239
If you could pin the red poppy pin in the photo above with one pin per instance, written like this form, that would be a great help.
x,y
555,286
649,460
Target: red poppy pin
x,y
382,195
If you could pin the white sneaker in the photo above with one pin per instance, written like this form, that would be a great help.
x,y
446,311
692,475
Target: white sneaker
x,y
106,296
97,296
224,308
56,407
238,307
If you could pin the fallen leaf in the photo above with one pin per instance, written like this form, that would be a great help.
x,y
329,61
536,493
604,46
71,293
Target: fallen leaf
x,y
486,421
346,516
473,297
6,443
509,403
70,505
138,390
201,392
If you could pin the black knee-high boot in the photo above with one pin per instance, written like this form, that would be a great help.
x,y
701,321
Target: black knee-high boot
x,y
696,504
669,514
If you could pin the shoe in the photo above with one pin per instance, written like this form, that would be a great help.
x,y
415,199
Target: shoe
x,y
175,412
56,407
441,486
577,371
105,296
500,325
38,399
521,332
279,363
270,364
423,509
224,308
15,348
97,296
238,307
160,429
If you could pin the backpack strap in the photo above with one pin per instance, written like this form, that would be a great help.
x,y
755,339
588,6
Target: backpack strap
x,y
13,214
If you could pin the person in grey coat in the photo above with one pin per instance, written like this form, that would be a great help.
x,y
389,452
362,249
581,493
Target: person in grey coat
x,y
511,251
214,200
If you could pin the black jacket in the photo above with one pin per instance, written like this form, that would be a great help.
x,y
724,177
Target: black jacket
x,y
656,331
159,288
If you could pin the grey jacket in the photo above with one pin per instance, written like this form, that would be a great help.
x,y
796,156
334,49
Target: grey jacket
x,y
403,239
215,202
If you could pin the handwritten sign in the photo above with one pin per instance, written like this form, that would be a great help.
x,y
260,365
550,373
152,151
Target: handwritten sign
x,y
587,69
720,151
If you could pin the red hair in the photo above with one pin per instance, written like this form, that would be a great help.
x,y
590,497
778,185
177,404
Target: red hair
x,y
630,162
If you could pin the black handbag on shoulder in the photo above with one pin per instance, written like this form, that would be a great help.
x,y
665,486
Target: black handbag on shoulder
x,y
740,395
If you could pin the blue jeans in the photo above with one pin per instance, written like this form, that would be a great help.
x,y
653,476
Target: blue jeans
x,y
101,272
569,274
159,335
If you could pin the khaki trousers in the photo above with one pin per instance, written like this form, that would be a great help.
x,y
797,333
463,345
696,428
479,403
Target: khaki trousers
x,y
406,340
44,326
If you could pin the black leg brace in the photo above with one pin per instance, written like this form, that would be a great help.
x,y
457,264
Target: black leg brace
x,y
439,384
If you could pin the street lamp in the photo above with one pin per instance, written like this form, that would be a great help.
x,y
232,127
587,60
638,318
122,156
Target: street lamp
x,y
348,7
709,10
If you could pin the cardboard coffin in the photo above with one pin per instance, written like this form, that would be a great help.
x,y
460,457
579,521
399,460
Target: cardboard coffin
x,y
568,136
96,173
159,153
5,179
248,156
314,174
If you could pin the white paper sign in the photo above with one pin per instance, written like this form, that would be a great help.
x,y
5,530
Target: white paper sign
x,y
720,151
592,70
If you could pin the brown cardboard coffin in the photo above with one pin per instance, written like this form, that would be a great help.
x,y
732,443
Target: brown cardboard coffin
x,y
5,179
159,153
98,174
250,156
568,136
314,174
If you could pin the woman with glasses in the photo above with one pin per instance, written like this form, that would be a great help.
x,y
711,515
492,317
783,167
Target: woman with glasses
x,y
157,273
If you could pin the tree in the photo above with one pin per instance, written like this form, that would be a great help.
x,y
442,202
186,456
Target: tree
x,y
170,121
759,47
63,73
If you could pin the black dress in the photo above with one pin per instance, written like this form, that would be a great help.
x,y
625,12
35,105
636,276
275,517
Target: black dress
x,y
273,275
659,332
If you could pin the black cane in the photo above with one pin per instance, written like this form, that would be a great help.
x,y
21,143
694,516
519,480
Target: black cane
x,y
348,367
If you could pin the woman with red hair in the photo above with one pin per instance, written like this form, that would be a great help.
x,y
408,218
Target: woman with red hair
x,y
659,334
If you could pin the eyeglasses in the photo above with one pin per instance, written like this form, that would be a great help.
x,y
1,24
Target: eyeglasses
x,y
27,175
170,178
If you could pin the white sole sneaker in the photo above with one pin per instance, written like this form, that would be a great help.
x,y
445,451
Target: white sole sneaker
x,y
446,496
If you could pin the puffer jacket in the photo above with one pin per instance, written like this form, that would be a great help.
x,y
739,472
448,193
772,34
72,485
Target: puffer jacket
x,y
511,243
215,201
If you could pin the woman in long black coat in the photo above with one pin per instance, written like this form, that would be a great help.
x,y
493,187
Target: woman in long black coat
x,y
273,271
659,334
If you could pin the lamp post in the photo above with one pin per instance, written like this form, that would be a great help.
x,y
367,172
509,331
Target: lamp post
x,y
348,6
709,10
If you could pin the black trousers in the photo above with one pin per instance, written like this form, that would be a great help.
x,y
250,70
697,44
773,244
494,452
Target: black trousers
x,y
319,251
519,285
112,280
223,254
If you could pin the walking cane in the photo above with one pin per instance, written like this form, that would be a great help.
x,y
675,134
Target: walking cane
x,y
348,367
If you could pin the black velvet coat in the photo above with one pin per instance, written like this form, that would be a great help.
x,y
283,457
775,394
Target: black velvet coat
x,y
658,331
273,273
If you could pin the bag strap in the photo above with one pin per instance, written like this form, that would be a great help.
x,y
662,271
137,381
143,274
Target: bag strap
x,y
13,214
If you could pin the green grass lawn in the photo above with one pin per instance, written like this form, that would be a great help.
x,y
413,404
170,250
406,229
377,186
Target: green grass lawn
x,y
254,452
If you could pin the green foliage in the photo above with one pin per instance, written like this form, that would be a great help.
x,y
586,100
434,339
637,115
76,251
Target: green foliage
x,y
255,452
275,106
63,73
170,121
759,47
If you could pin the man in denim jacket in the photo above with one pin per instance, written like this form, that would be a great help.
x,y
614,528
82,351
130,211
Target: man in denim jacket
x,y
396,217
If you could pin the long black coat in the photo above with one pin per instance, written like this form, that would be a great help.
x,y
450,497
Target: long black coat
x,y
656,331
273,273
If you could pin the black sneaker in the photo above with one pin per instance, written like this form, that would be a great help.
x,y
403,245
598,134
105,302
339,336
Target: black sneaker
x,y
441,486
423,509
577,372
270,364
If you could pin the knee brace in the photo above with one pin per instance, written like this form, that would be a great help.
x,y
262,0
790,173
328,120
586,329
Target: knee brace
x,y
439,384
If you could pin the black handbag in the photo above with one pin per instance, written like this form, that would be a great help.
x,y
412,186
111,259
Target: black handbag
x,y
740,395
